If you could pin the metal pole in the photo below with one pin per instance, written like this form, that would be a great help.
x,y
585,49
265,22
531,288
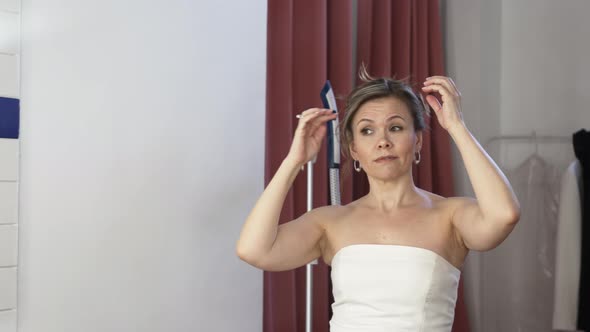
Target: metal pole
x,y
309,267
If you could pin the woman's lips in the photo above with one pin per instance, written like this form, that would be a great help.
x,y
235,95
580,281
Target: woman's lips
x,y
385,159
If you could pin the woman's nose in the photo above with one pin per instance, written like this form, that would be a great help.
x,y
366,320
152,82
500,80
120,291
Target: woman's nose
x,y
384,143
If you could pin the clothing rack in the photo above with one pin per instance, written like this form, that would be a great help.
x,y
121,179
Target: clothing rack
x,y
533,138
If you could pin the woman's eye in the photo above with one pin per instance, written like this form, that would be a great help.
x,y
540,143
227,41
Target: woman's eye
x,y
396,128
366,131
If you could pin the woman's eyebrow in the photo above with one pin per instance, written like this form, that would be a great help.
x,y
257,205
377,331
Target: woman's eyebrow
x,y
388,119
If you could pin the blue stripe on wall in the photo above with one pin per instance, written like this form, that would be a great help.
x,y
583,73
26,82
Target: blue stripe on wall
x,y
9,117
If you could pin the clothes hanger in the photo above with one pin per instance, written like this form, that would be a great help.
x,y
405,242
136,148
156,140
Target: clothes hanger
x,y
535,156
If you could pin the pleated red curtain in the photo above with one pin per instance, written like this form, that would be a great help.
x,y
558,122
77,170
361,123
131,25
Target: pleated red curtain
x,y
403,39
308,42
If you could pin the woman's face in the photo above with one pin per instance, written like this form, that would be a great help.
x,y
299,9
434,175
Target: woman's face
x,y
384,128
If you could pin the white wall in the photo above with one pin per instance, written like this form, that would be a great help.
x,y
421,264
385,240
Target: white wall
x,y
521,67
545,67
9,162
142,153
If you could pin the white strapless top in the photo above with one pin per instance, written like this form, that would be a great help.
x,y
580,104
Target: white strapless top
x,y
392,288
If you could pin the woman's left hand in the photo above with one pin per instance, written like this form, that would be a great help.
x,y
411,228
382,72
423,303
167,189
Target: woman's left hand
x,y
449,113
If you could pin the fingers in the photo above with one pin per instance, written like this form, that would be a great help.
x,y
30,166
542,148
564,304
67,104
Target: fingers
x,y
447,90
451,100
434,103
320,121
441,89
311,111
447,82
311,119
441,78
319,132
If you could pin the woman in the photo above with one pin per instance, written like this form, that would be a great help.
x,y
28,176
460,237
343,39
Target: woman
x,y
395,253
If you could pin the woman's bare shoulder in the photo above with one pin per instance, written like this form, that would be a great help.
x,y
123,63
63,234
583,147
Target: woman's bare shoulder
x,y
450,202
329,214
330,211
454,202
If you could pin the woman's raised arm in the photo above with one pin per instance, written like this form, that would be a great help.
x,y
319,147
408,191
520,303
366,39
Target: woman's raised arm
x,y
262,242
483,223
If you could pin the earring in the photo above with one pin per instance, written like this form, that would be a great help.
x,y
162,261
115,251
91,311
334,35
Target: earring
x,y
357,165
417,161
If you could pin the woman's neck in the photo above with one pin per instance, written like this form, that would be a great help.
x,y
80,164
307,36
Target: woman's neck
x,y
389,196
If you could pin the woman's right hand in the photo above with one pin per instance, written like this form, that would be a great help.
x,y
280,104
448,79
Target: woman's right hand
x,y
309,134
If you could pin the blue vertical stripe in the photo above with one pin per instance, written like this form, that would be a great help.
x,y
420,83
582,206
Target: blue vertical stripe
x,y
9,117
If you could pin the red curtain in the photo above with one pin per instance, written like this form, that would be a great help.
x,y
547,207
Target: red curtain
x,y
309,41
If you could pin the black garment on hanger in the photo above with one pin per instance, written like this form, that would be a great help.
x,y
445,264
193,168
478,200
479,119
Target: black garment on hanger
x,y
581,140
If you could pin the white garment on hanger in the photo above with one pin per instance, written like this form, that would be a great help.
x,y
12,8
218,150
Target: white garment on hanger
x,y
568,250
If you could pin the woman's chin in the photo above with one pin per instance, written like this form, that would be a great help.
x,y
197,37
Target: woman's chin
x,y
386,175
